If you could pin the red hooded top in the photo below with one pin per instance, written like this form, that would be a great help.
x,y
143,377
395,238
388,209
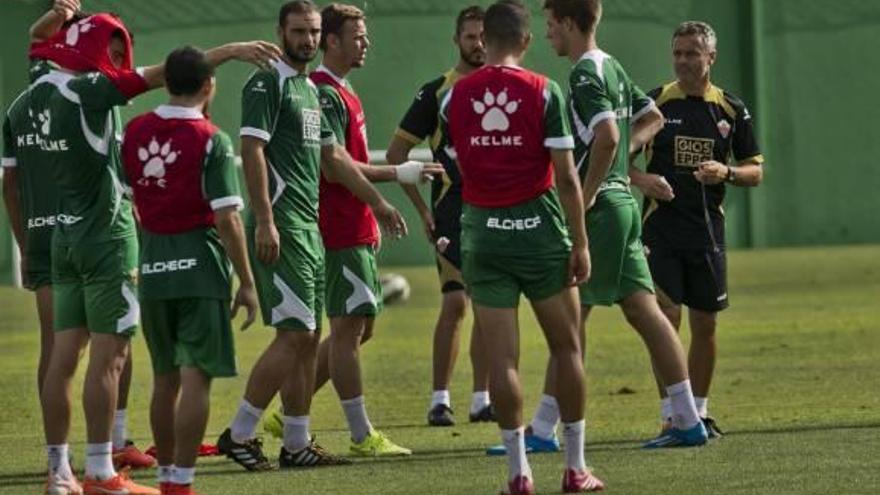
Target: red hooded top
x,y
82,47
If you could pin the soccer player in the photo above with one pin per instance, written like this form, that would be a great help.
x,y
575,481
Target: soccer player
x,y
511,138
286,143
442,223
66,115
182,172
37,260
612,118
685,186
353,290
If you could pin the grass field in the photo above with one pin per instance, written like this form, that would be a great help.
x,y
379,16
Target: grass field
x,y
797,389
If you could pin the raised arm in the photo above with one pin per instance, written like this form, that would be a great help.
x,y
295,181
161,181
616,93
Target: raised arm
x,y
259,53
52,21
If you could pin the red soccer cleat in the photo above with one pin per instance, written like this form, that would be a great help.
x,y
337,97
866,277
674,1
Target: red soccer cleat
x,y
132,458
175,489
521,485
205,450
581,482
119,484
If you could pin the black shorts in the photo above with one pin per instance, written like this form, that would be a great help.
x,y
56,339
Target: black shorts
x,y
695,278
447,223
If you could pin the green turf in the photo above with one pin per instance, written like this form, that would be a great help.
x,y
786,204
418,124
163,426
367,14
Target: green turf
x,y
797,388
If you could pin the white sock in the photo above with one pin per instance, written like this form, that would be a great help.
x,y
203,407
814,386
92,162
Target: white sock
x,y
99,461
665,409
515,443
684,411
59,460
356,415
163,473
244,426
544,423
120,432
183,476
479,401
702,404
574,445
296,433
440,397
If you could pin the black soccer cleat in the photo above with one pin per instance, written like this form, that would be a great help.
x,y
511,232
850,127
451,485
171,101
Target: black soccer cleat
x,y
313,455
484,415
712,428
248,455
440,415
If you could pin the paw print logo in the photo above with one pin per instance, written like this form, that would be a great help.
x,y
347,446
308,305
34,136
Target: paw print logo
x,y
155,158
495,109
41,121
75,30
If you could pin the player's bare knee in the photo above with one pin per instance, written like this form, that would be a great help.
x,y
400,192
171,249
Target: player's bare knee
x,y
454,307
703,324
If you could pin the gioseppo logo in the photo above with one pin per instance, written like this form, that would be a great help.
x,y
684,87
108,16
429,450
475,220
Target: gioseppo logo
x,y
154,159
513,223
77,29
311,125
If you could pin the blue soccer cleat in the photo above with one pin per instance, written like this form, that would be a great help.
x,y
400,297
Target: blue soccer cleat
x,y
534,445
674,437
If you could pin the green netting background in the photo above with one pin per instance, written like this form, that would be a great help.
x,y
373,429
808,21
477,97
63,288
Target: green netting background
x,y
806,68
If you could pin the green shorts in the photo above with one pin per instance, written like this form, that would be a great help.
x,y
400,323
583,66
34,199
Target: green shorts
x,y
94,286
353,286
189,332
37,270
619,267
522,249
291,291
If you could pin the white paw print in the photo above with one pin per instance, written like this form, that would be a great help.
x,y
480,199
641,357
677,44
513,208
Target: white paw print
x,y
155,158
73,32
495,109
42,121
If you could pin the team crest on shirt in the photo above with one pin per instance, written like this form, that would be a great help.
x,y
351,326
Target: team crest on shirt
x,y
724,128
155,158
41,120
41,123
495,109
77,29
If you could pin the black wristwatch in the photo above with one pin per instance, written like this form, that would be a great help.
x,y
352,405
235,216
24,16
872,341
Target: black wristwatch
x,y
731,175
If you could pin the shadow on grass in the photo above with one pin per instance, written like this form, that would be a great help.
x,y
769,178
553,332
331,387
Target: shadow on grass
x,y
219,467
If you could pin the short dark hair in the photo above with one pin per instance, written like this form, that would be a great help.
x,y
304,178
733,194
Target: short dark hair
x,y
472,13
295,7
697,28
506,23
584,13
186,70
334,17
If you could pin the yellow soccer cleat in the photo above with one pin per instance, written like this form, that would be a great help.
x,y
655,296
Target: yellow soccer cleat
x,y
274,424
376,444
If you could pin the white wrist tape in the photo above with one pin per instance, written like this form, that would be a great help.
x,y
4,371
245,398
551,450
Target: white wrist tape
x,y
410,172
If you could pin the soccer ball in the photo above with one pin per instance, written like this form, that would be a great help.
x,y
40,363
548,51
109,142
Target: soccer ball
x,y
395,288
